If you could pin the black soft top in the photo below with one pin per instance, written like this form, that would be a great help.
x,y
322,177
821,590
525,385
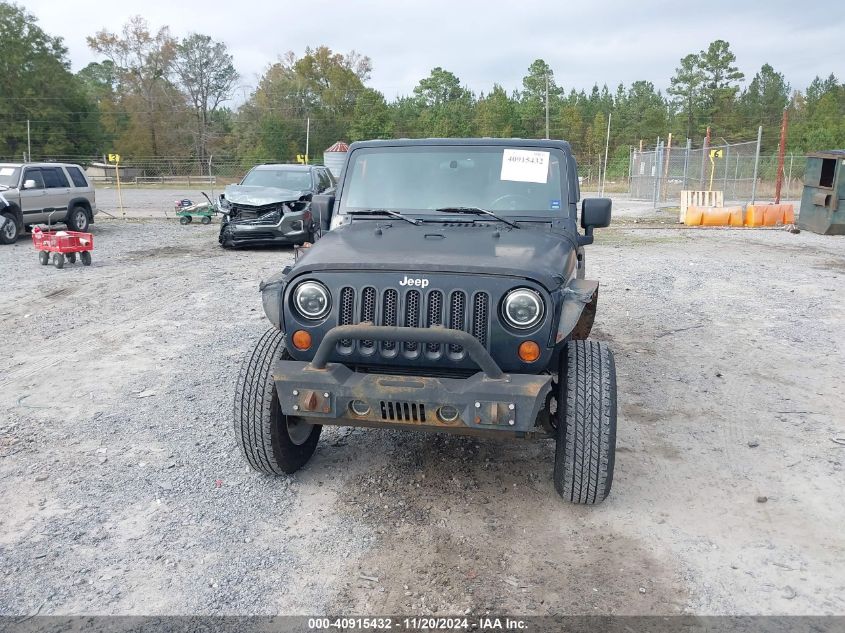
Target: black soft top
x,y
489,142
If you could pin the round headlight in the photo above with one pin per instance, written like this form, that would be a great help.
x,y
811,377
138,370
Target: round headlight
x,y
522,308
312,300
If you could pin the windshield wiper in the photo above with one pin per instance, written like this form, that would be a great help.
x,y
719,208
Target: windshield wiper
x,y
477,211
388,212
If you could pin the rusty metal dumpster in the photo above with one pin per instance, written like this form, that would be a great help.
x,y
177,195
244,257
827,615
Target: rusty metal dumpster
x,y
823,200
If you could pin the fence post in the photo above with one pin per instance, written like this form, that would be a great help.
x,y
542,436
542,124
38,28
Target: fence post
x,y
756,165
725,179
658,170
630,167
654,173
789,178
686,163
665,162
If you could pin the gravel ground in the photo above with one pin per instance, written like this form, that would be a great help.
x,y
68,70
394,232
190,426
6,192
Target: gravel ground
x,y
123,492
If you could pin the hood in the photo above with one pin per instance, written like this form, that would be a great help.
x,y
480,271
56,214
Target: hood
x,y
532,253
260,196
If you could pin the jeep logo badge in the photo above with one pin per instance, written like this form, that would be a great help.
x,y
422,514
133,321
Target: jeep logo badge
x,y
420,282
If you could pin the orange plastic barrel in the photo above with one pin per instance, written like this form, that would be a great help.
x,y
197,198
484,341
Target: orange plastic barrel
x,y
713,216
769,214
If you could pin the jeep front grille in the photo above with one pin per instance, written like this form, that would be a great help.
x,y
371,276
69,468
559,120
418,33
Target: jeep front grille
x,y
368,312
414,308
435,316
480,317
456,317
390,301
346,316
412,318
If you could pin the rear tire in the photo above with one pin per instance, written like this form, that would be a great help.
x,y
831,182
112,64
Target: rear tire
x,y
185,219
206,219
58,260
85,256
77,219
262,431
586,434
71,257
11,231
44,257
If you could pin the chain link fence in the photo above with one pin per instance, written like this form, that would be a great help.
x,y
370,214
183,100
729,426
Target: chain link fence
x,y
737,169
159,171
658,174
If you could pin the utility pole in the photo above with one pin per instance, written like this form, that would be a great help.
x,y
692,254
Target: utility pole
x,y
28,144
781,151
547,103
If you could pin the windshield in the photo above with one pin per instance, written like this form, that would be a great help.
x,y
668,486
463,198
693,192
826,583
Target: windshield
x,y
9,176
295,179
508,181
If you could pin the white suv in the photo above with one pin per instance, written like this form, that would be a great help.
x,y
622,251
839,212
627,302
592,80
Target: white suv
x,y
34,193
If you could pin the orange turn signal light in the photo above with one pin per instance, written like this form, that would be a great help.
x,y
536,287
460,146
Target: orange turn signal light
x,y
301,340
529,351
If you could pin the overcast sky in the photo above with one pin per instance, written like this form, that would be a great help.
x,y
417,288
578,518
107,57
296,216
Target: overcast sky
x,y
585,42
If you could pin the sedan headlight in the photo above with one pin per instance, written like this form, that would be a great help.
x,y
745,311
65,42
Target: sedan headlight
x,y
523,308
312,300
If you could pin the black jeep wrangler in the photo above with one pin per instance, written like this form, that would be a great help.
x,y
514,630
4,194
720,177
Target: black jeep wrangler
x,y
449,296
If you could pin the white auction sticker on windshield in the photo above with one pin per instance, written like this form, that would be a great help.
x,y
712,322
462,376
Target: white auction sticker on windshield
x,y
525,165
7,171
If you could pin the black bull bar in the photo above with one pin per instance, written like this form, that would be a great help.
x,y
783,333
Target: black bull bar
x,y
490,400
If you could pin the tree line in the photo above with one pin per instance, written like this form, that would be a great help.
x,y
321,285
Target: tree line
x,y
155,95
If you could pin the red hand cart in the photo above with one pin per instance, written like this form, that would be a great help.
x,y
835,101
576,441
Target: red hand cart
x,y
63,244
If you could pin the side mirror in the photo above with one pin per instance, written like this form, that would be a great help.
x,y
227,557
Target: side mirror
x,y
29,184
322,207
595,214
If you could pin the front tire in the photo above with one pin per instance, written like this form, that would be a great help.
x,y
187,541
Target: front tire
x,y
10,232
586,433
271,442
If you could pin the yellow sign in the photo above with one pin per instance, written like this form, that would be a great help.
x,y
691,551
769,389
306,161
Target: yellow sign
x,y
302,159
716,153
114,158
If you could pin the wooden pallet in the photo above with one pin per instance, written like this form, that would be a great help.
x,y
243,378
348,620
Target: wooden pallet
x,y
700,199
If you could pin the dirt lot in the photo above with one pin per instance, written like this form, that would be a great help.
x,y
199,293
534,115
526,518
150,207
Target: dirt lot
x,y
122,490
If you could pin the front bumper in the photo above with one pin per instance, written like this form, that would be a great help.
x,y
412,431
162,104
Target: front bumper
x,y
487,403
291,228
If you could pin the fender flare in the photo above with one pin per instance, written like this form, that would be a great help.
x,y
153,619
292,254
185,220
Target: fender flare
x,y
580,299
80,202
